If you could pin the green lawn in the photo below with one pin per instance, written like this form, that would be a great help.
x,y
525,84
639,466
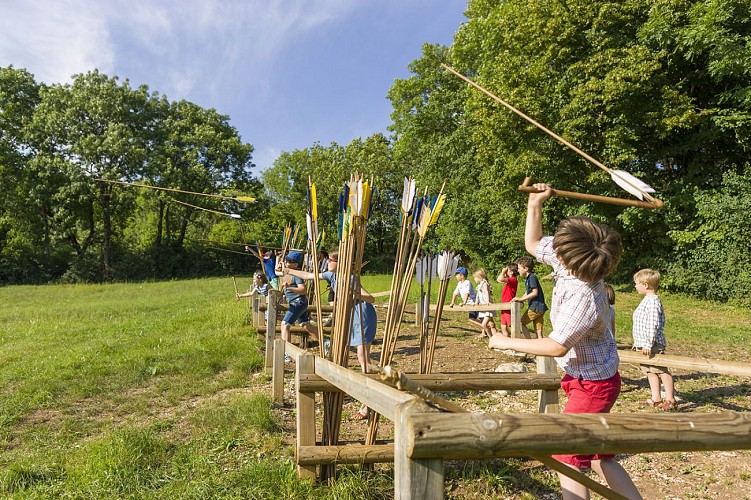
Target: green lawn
x,y
154,390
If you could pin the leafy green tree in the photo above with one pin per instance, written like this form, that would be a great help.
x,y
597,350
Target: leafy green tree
x,y
94,128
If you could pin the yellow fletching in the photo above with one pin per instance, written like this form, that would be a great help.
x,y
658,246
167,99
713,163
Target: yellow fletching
x,y
246,199
313,202
437,209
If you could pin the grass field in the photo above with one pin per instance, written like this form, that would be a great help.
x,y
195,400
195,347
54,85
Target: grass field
x,y
153,390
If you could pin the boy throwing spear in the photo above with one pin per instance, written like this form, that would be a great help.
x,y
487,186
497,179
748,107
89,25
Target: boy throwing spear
x,y
582,341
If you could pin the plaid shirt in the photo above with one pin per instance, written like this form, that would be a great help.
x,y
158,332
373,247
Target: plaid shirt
x,y
582,319
649,323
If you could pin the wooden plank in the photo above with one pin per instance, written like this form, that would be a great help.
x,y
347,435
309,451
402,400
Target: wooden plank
x,y
414,478
294,330
547,399
347,454
256,315
270,328
692,364
496,306
374,393
311,307
306,413
455,382
486,435
277,375
294,353
516,321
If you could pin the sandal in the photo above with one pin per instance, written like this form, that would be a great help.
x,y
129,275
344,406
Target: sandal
x,y
667,405
653,404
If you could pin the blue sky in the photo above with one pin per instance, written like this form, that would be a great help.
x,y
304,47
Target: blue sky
x,y
288,73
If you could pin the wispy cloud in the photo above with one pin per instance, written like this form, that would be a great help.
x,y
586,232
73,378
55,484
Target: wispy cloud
x,y
54,40
183,43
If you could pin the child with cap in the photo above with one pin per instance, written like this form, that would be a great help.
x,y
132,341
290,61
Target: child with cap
x,y
583,253
297,300
464,290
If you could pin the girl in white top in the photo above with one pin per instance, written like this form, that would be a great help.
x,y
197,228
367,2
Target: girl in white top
x,y
484,296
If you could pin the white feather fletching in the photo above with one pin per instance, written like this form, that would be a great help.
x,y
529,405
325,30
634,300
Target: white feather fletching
x,y
408,195
633,185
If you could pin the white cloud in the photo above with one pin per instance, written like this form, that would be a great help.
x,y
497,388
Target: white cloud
x,y
189,43
54,40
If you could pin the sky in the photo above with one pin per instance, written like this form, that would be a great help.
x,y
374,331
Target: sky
x,y
288,73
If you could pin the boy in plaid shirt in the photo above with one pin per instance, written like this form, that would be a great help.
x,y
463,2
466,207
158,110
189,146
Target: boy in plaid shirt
x,y
582,253
649,337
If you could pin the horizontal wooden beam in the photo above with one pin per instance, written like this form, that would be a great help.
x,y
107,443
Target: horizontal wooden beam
x,y
347,454
292,329
285,307
692,364
464,436
293,351
453,382
380,397
496,306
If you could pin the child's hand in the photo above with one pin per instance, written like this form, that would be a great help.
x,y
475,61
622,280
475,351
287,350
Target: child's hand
x,y
646,351
237,295
545,192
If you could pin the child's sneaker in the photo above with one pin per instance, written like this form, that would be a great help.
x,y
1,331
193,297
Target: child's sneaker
x,y
287,358
326,347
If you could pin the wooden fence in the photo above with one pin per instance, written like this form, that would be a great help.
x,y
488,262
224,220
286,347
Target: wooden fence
x,y
424,437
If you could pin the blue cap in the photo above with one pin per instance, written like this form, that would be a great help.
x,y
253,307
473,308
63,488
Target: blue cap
x,y
461,270
294,257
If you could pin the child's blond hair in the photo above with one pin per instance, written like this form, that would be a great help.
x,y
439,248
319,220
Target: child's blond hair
x,y
589,250
481,273
648,276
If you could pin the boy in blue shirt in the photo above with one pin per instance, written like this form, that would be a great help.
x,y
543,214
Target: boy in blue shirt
x,y
535,312
294,291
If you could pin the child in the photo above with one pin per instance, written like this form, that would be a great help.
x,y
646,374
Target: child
x,y
364,320
270,265
260,286
536,308
297,300
484,296
464,290
649,337
581,340
510,285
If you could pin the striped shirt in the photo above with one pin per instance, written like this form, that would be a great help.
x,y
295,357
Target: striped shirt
x,y
649,323
582,319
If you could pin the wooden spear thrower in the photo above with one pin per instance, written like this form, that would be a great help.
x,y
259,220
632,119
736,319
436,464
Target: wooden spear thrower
x,y
625,180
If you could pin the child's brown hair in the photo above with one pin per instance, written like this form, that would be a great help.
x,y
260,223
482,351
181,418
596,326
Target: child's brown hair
x,y
648,276
589,250
611,294
527,262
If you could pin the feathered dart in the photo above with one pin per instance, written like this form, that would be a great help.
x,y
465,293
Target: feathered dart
x,y
243,199
625,180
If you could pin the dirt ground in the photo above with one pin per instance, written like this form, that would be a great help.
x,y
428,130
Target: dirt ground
x,y
673,475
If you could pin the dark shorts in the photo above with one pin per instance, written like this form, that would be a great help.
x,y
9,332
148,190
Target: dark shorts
x,y
298,311
589,396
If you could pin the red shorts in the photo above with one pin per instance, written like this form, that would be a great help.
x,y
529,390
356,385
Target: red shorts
x,y
589,396
506,318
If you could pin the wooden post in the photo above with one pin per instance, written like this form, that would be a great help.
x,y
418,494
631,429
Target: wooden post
x,y
419,305
414,479
516,322
306,412
547,400
277,375
271,329
255,314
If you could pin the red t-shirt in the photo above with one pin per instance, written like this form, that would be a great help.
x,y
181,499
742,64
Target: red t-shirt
x,y
509,289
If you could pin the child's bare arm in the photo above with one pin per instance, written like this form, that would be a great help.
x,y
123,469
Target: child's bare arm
x,y
533,228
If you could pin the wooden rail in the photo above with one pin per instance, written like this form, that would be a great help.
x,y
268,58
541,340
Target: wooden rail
x,y
683,363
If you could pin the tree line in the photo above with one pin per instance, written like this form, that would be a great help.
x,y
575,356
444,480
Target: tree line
x,y
659,89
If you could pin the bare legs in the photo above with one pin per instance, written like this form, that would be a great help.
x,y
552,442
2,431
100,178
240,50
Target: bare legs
x,y
610,471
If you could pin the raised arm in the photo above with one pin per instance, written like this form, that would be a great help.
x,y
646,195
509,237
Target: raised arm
x,y
533,228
